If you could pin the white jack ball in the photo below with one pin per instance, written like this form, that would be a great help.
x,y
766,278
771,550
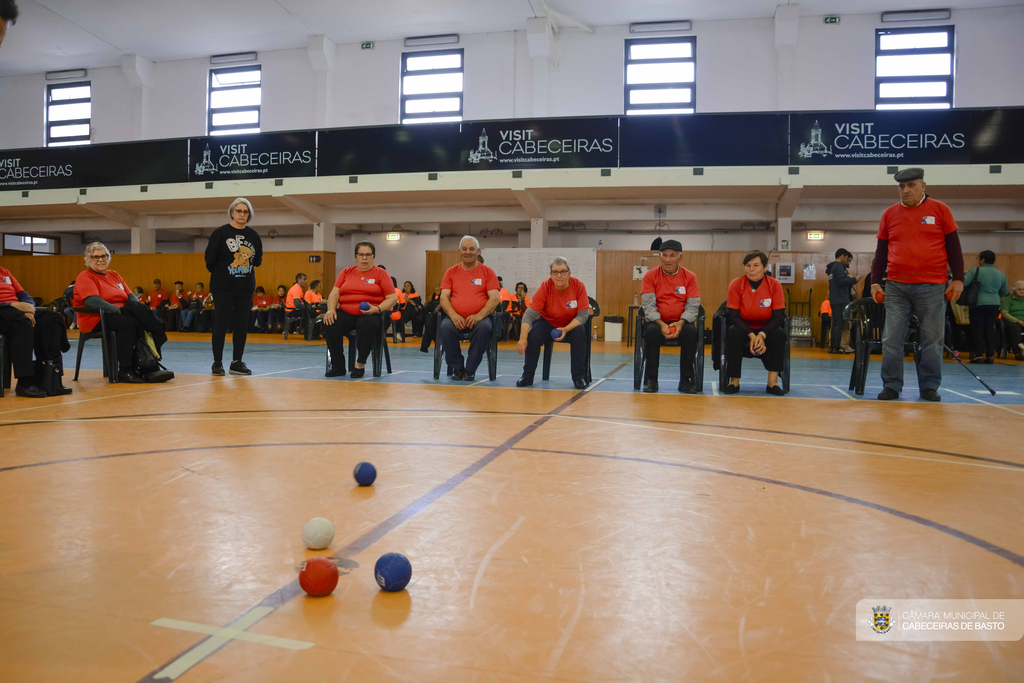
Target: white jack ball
x,y
318,533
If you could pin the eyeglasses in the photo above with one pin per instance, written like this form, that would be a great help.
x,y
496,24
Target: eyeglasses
x,y
105,257
559,272
361,255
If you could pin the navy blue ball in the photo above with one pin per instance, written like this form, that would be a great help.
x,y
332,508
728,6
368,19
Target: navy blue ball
x,y
364,306
393,572
556,333
365,473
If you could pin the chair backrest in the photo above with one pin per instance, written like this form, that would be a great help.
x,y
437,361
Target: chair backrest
x,y
869,314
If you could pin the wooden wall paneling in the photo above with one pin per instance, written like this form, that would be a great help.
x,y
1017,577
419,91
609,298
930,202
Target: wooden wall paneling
x,y
438,261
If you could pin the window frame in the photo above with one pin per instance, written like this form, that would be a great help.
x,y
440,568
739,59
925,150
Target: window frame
x,y
403,117
211,129
627,62
31,251
950,49
50,102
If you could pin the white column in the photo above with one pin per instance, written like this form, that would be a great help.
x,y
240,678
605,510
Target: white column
x,y
784,234
787,24
144,238
321,55
323,237
139,72
538,40
538,233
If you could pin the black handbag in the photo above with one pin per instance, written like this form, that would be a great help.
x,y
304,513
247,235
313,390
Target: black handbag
x,y
969,297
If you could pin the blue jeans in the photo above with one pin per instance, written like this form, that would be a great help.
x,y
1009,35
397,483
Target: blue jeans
x,y
929,303
479,337
186,316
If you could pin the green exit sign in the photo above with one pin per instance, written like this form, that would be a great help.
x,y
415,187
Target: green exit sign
x,y
831,20
369,46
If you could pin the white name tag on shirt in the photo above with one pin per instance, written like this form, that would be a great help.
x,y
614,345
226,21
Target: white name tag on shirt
x,y
120,286
570,304
680,290
476,281
371,281
766,303
928,220
7,280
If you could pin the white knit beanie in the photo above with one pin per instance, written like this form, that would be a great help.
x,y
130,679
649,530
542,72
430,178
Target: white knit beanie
x,y
241,200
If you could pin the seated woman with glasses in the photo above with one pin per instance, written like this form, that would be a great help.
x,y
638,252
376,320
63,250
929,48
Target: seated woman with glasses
x,y
363,291
756,309
101,288
561,303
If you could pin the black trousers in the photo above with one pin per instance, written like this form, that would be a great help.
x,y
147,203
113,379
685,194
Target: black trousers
x,y
1012,332
367,329
653,339
540,332
983,330
233,312
126,330
838,324
17,328
737,346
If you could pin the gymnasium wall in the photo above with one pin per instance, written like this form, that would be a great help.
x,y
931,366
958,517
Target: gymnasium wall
x,y
737,70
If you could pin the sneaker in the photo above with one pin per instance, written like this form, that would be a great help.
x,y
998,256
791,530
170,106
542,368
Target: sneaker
x,y
237,367
218,368
930,395
888,394
651,386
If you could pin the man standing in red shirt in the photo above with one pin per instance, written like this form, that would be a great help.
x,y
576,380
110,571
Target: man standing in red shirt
x,y
469,292
916,239
670,297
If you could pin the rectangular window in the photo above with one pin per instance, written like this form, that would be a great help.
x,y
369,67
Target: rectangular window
x,y
30,244
234,100
914,67
660,76
68,114
432,85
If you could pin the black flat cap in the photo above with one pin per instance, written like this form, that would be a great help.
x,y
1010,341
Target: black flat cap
x,y
909,174
671,244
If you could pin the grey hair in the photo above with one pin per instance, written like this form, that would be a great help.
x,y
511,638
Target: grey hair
x,y
1018,283
476,242
93,246
559,261
241,200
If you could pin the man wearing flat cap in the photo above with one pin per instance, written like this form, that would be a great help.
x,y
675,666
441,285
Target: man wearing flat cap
x,y
670,298
916,239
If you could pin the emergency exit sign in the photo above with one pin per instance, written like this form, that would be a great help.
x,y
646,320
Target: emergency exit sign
x,y
831,20
369,46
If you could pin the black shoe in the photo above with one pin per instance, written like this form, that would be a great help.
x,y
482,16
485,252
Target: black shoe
x,y
977,360
335,372
888,394
29,391
237,367
66,390
125,377
1018,356
218,368
457,375
833,351
579,384
930,395
775,391
358,372
651,386
687,386
990,361
524,381
468,376
731,389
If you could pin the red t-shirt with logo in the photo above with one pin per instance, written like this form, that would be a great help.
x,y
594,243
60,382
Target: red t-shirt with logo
x,y
9,287
157,297
559,308
355,287
197,296
469,288
176,299
756,306
917,241
109,286
261,301
671,291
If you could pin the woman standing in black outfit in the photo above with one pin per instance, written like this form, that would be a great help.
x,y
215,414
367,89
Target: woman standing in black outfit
x,y
232,256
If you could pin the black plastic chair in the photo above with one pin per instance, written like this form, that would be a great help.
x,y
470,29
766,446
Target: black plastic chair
x,y
299,314
379,355
720,326
492,345
867,324
5,365
639,361
108,344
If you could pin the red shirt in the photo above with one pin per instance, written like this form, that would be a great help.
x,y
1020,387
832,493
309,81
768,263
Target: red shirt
x,y
176,299
671,291
109,286
356,287
756,306
197,296
261,301
156,297
469,288
559,308
917,241
9,287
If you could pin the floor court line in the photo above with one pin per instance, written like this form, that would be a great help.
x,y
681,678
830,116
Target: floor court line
x,y
994,405
842,392
232,633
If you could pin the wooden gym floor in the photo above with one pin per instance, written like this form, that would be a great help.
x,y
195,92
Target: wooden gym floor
x,y
553,534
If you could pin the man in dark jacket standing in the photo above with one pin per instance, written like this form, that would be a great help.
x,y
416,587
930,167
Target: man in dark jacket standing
x,y
232,256
839,283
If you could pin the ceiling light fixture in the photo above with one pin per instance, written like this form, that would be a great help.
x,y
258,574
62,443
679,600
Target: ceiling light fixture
x,y
420,41
660,26
917,15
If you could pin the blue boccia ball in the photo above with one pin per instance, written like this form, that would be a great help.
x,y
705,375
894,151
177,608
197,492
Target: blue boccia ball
x,y
393,572
364,306
365,473
556,333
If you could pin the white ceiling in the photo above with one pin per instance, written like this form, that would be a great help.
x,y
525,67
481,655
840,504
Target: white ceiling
x,y
65,34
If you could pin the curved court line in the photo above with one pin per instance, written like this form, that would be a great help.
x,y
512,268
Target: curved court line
x,y
936,526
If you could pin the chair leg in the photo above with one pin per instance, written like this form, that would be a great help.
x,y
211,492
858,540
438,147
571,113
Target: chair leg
x,y
114,370
387,359
549,347
81,347
638,365
438,357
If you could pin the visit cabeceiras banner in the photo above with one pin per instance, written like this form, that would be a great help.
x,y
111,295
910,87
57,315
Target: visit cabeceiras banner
x,y
704,140
252,156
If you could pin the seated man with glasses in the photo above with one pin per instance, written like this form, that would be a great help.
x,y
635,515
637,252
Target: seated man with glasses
x,y
469,293
561,303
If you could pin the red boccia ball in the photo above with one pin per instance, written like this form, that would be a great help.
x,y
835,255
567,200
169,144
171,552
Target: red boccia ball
x,y
318,577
